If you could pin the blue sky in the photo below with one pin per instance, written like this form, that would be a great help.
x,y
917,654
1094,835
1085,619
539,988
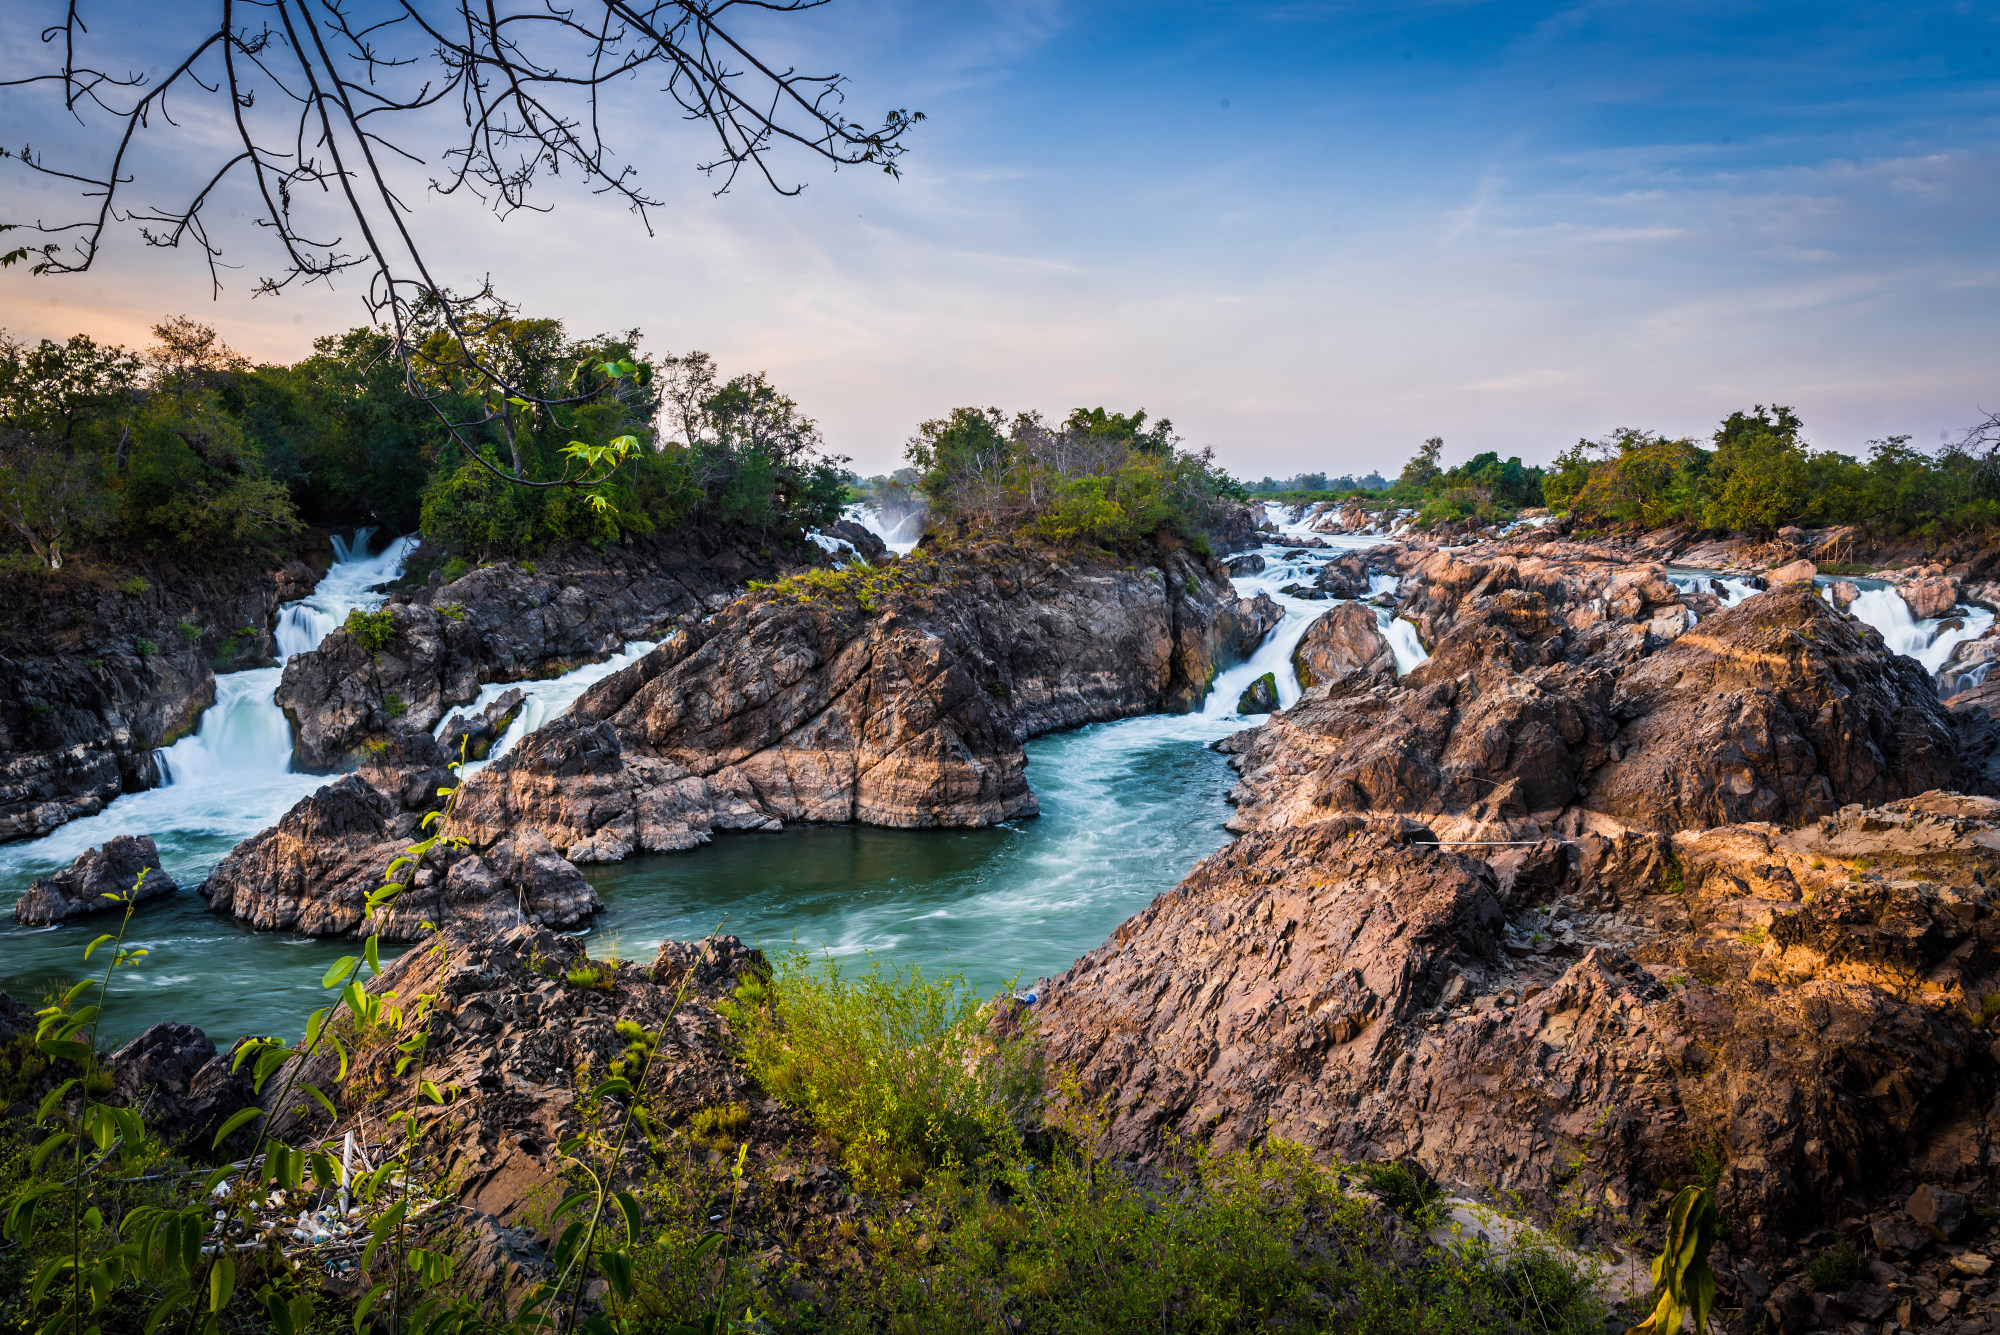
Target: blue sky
x,y
1312,234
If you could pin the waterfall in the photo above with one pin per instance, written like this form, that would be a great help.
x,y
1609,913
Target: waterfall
x,y
1926,641
232,776
545,699
1403,641
899,536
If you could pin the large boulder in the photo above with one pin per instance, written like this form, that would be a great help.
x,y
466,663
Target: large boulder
x,y
1779,709
88,884
1931,596
183,1086
314,870
1344,640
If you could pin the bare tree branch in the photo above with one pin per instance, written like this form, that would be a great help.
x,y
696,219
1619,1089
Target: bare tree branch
x,y
320,90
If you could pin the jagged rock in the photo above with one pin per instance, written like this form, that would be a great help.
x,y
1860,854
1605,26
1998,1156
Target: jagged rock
x,y
1336,984
1844,593
1260,696
908,715
86,884
1938,1212
313,872
1341,641
473,735
1233,527
97,673
184,1087
501,622
520,1042
1311,592
1248,564
1935,596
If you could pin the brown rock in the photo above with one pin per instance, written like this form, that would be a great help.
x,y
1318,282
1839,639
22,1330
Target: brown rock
x,y
1793,573
86,885
1938,1212
1932,597
1341,641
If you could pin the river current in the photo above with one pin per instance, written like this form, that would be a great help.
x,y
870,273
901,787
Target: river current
x,y
1127,808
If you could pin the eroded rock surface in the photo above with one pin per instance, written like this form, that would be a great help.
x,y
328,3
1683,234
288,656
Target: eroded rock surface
x,y
909,714
88,884
1340,642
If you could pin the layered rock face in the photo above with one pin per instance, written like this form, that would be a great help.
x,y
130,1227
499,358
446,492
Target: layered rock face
x,y
1374,997
909,715
1340,642
313,871
1724,923
504,622
88,884
95,672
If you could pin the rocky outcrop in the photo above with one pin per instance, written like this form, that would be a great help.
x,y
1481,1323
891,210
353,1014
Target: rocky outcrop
x,y
314,870
1260,696
1778,709
1351,986
1233,528
98,667
505,622
125,866
1339,642
801,704
471,736
184,1088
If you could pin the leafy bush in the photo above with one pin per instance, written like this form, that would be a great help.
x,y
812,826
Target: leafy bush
x,y
134,586
1836,1268
144,647
902,1072
1101,478
189,631
375,630
1404,1189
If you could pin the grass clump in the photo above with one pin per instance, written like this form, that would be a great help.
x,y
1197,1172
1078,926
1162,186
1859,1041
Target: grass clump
x,y
1986,1015
717,1127
144,647
133,587
596,975
1406,1189
901,1072
374,630
1836,1268
858,583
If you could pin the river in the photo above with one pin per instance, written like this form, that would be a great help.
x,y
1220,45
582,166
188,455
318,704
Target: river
x,y
1127,808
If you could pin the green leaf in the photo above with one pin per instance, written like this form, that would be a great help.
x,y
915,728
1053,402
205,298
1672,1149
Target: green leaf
x,y
628,1206
66,1049
383,1228
46,1148
53,1267
229,1128
323,1100
52,1098
371,948
570,1202
276,1309
91,949
616,1265
165,1308
342,967
368,1301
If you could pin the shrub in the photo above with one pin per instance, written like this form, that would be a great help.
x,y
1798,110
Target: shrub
x,y
393,706
144,647
902,1072
1836,1268
597,975
375,630
133,586
189,631
455,568
1404,1189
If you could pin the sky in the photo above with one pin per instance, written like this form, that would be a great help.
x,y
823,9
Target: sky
x,y
1311,234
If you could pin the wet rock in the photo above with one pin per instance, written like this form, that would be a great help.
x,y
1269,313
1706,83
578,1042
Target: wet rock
x,y
865,540
1938,1212
98,672
1844,593
1931,597
501,622
1260,696
183,1086
1247,564
1311,592
471,736
86,885
1346,639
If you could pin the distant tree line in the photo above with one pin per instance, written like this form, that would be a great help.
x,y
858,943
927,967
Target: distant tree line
x,y
1105,479
188,449
1318,483
1758,474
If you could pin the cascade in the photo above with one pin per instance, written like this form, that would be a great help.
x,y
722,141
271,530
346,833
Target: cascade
x,y
232,776
544,699
899,536
1926,641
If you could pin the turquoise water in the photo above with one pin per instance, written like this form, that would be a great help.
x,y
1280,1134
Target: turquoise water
x,y
1127,808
